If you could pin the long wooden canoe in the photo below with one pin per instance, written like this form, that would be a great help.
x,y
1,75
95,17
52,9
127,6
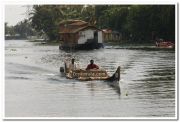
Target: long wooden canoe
x,y
86,75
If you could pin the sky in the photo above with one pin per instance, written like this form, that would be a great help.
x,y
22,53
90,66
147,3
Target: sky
x,y
15,14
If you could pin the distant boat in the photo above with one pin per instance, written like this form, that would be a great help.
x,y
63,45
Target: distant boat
x,y
164,44
40,40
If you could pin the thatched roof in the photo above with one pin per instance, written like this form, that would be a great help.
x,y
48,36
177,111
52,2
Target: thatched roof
x,y
72,22
73,26
75,30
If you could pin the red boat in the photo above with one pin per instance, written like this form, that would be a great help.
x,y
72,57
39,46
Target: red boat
x,y
164,44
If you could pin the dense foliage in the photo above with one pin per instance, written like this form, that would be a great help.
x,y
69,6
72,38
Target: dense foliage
x,y
137,23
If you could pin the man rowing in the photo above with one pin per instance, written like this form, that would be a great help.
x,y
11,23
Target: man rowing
x,y
92,65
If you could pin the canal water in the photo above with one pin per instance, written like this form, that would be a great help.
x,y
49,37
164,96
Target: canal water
x,y
35,88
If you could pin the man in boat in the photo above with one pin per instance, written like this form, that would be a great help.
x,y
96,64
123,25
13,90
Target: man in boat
x,y
92,65
72,65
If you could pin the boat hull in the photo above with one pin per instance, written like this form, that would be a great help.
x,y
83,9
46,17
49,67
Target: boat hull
x,y
87,75
86,46
84,75
165,44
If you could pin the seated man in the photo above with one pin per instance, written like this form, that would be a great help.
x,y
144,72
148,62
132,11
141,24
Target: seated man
x,y
92,65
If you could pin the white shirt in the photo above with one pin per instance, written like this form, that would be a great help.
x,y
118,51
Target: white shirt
x,y
72,66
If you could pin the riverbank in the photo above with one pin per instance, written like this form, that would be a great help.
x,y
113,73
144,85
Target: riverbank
x,y
44,42
123,44
112,45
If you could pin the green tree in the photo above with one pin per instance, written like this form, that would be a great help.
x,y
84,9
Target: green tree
x,y
9,29
145,20
24,29
46,18
138,23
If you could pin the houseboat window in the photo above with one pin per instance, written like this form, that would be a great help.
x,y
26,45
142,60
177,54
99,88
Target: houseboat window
x,y
95,34
81,34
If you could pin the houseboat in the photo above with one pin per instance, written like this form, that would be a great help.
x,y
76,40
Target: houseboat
x,y
79,35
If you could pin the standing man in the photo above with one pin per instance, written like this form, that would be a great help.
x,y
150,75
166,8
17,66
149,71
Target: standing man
x,y
92,65
72,65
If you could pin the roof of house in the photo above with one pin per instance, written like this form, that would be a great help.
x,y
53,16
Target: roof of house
x,y
75,30
107,30
73,26
78,22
